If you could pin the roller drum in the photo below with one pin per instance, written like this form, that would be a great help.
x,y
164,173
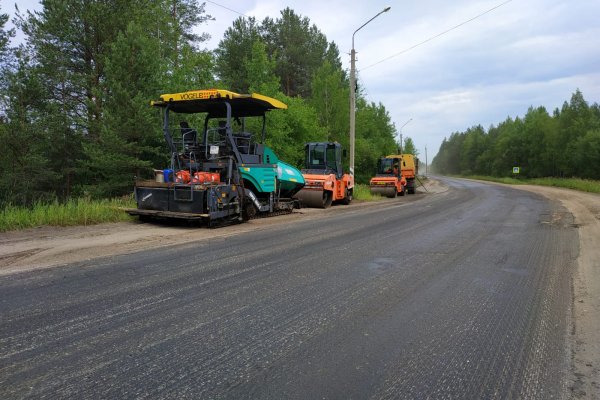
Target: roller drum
x,y
315,198
387,191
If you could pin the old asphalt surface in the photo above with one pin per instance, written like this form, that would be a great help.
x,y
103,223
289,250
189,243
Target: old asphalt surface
x,y
462,295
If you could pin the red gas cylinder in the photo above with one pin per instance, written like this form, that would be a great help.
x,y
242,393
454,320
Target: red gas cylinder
x,y
206,177
182,176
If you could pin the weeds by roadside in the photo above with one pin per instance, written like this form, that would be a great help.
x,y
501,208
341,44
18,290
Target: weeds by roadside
x,y
74,212
584,185
84,211
363,192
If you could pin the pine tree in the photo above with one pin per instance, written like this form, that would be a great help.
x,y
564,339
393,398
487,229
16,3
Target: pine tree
x,y
299,49
99,62
233,50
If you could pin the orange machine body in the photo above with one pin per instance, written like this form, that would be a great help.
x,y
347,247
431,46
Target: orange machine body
x,y
325,181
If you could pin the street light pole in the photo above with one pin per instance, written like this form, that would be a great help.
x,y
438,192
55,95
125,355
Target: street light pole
x,y
353,91
406,123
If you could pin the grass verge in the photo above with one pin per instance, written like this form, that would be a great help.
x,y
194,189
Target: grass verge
x,y
584,185
363,192
84,211
73,212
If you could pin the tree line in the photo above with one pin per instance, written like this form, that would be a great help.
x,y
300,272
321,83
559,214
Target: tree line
x,y
75,118
564,144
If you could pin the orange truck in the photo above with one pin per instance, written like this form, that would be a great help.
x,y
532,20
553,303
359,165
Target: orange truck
x,y
325,180
395,175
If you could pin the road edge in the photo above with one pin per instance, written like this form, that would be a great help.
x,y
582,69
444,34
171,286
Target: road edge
x,y
584,374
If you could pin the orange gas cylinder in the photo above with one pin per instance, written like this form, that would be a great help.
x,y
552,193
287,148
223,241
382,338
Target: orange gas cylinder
x,y
182,176
206,177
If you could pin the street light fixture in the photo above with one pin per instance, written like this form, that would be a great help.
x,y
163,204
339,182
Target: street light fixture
x,y
353,91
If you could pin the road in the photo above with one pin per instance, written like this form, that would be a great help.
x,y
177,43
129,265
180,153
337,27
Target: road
x,y
465,294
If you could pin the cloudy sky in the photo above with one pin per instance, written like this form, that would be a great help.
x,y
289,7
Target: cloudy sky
x,y
523,53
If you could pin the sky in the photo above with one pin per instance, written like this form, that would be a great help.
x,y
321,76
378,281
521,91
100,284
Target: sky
x,y
521,53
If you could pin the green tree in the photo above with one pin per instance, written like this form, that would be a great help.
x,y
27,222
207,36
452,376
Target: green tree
x,y
68,42
540,137
27,174
72,40
232,51
409,147
510,148
98,63
447,160
485,160
290,129
195,70
5,36
129,139
541,145
259,71
299,49
5,59
375,135
574,120
472,147
330,98
586,155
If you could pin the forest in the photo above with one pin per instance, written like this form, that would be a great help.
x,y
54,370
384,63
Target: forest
x,y
564,144
75,119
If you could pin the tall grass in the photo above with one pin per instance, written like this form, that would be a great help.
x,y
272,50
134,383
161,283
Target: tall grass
x,y
584,185
74,212
363,192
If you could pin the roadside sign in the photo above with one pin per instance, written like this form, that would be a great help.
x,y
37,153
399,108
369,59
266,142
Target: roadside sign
x,y
516,170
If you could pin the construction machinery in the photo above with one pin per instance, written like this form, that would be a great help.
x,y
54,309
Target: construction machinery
x,y
325,180
395,175
225,173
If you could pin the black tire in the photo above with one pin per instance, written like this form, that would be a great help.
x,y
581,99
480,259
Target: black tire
x,y
249,211
347,197
410,186
327,198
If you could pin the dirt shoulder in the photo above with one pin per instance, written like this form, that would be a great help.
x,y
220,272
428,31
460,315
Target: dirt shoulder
x,y
46,247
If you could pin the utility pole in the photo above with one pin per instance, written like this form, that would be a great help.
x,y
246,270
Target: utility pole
x,y
425,160
353,91
401,143
410,119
